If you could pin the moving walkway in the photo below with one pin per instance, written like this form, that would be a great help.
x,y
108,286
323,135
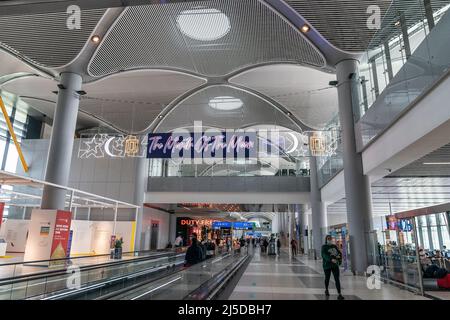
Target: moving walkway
x,y
140,276
74,277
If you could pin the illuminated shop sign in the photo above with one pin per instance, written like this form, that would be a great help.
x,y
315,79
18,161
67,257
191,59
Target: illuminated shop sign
x,y
221,225
199,222
235,225
205,145
243,225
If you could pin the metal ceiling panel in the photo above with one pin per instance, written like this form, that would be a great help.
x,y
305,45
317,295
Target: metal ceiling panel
x,y
344,22
44,39
254,111
153,36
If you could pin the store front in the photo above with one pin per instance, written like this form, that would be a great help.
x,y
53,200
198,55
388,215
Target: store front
x,y
413,243
201,227
340,236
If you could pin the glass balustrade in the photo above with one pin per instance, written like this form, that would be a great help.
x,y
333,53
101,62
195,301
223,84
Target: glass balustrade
x,y
404,59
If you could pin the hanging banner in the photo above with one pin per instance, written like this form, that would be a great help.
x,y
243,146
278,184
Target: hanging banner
x,y
205,145
61,236
393,223
2,207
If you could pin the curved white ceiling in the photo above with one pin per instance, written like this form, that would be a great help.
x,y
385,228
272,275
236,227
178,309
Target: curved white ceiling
x,y
129,100
10,64
254,111
303,91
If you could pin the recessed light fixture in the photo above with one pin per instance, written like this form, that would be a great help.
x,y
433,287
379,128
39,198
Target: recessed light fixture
x,y
225,103
203,24
305,28
95,39
397,23
160,116
436,163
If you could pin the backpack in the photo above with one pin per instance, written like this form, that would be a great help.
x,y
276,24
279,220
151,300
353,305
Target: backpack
x,y
440,273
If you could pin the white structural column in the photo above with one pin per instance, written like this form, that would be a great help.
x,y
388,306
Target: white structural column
x,y
285,226
291,224
140,180
61,142
357,185
319,216
172,228
276,223
303,225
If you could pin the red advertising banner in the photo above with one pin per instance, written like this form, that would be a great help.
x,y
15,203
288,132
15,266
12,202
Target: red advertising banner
x,y
61,235
2,207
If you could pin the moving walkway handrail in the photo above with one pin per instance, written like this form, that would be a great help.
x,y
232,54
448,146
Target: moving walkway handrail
x,y
63,271
115,279
209,289
130,288
72,258
135,286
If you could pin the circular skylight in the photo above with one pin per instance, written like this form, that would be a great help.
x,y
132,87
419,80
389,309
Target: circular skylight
x,y
225,103
203,24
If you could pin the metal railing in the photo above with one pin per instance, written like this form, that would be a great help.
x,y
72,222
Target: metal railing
x,y
72,274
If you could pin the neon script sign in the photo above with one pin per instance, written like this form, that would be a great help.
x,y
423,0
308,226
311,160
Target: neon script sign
x,y
204,145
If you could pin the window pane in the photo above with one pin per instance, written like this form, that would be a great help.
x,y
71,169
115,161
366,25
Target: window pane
x,y
11,160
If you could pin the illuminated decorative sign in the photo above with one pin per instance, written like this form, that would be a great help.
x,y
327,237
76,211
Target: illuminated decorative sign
x,y
115,146
317,145
132,145
205,145
211,146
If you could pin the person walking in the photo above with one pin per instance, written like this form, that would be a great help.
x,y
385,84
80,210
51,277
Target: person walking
x,y
179,241
294,247
332,258
264,246
194,253
278,246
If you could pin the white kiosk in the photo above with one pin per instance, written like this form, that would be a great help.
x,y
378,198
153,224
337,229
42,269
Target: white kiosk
x,y
3,246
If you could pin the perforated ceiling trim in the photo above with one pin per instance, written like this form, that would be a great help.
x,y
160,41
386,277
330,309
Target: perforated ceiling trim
x,y
45,39
148,36
344,22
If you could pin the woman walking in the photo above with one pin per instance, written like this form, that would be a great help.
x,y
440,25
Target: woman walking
x,y
332,258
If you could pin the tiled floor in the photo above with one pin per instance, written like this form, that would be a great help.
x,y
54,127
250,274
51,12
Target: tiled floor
x,y
286,278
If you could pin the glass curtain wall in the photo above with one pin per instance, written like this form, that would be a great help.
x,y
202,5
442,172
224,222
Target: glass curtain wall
x,y
9,156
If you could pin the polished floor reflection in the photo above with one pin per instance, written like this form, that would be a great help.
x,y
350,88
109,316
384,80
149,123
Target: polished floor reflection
x,y
297,278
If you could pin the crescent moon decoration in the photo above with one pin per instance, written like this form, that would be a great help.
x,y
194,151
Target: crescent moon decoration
x,y
294,138
108,152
